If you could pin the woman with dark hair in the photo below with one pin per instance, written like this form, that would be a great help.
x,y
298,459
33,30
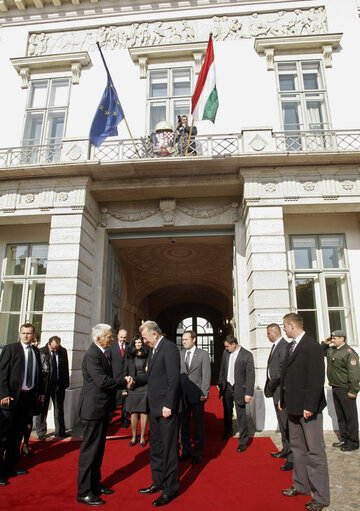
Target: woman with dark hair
x,y
136,403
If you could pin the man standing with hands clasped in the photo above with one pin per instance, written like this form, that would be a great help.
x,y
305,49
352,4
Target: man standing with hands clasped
x,y
343,373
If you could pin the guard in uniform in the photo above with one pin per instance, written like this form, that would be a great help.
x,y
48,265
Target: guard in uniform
x,y
343,373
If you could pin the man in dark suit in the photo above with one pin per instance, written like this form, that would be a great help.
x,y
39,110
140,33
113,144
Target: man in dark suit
x,y
195,376
236,384
95,403
21,390
163,379
56,380
272,389
302,392
118,352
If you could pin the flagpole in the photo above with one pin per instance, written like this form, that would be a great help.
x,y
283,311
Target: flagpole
x,y
188,142
133,141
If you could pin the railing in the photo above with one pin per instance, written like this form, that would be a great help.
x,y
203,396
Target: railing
x,y
210,146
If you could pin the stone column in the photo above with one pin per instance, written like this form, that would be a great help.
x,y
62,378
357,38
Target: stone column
x,y
68,293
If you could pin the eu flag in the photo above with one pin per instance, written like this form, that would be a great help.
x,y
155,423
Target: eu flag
x,y
108,114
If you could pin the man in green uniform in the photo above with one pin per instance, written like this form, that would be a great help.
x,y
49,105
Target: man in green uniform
x,y
344,375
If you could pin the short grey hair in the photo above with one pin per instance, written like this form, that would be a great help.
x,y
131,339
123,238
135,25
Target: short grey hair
x,y
99,331
151,327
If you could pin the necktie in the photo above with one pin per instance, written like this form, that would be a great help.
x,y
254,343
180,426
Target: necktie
x,y
122,349
231,376
292,347
187,360
107,356
29,373
53,367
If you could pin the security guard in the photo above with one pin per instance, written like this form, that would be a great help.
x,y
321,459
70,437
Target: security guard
x,y
344,375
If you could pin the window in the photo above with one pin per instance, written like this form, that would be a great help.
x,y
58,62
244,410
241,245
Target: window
x,y
169,95
321,283
45,118
204,334
302,98
22,284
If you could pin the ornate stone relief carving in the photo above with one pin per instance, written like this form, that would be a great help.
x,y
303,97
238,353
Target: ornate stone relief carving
x,y
309,186
347,185
126,215
207,213
224,28
63,196
270,187
29,198
258,143
168,210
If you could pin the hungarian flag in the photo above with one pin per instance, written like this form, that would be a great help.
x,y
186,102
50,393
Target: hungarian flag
x,y
205,100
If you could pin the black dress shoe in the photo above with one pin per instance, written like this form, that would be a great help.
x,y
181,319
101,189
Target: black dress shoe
x,y
280,454
288,466
349,448
163,500
101,490
13,472
184,456
132,443
339,444
62,435
196,460
242,448
3,482
142,444
153,488
291,492
91,500
314,505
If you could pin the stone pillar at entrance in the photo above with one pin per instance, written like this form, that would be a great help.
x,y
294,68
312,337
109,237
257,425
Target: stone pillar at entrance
x,y
68,294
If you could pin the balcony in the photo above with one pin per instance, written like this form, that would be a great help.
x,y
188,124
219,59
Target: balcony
x,y
250,146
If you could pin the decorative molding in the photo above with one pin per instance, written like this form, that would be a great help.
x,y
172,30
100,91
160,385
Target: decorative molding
x,y
276,24
148,54
293,44
168,210
309,186
207,213
270,187
128,216
347,185
45,63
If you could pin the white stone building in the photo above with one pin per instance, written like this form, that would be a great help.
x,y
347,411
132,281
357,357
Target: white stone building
x,y
263,220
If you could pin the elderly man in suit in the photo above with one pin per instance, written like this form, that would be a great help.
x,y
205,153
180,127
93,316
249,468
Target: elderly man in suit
x,y
195,376
163,379
118,353
302,392
95,403
236,384
56,380
21,390
272,389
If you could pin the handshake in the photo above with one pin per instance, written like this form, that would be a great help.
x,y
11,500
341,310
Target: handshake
x,y
130,382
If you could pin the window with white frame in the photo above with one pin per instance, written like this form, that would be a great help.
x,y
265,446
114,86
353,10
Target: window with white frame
x,y
22,288
169,94
302,97
45,117
204,333
321,289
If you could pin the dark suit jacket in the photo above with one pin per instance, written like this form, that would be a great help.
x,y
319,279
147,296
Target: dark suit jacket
x,y
195,383
244,372
63,367
98,385
117,360
302,378
163,378
12,371
274,367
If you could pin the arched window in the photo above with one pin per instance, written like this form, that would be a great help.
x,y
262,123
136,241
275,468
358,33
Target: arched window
x,y
204,333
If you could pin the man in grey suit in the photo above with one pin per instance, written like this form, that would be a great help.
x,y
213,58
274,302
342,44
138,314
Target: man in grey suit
x,y
195,376
272,389
236,384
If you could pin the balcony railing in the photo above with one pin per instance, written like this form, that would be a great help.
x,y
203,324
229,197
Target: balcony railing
x,y
209,146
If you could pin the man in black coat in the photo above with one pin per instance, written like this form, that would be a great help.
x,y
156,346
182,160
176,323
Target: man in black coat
x,y
302,392
236,384
21,390
118,352
95,404
56,380
163,379
272,389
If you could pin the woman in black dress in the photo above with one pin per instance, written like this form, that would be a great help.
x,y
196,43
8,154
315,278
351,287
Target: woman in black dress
x,y
136,402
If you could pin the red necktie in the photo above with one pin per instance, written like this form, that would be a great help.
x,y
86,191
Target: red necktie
x,y
122,349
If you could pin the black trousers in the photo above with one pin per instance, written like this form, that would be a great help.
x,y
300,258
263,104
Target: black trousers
x,y
347,416
228,404
91,455
13,423
57,396
282,418
196,410
164,456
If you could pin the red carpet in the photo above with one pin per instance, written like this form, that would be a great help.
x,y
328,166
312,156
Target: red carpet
x,y
226,479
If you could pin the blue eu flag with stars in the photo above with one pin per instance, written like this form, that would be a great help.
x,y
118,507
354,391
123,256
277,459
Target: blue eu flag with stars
x,y
108,114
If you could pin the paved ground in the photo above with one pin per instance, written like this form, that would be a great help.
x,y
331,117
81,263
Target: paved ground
x,y
344,472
